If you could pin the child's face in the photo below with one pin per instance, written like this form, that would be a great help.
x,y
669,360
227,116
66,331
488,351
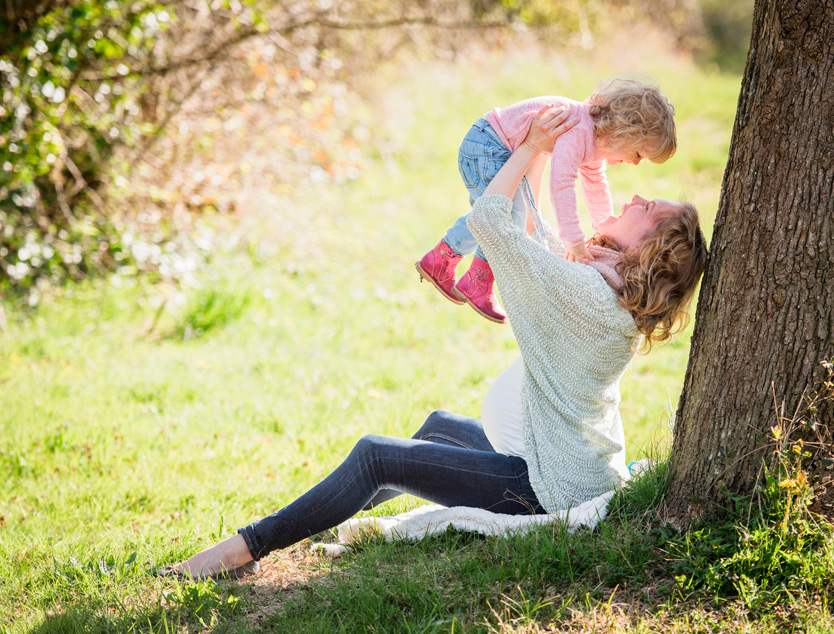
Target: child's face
x,y
626,154
618,155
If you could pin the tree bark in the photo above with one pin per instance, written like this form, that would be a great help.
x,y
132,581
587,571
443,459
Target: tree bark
x,y
765,315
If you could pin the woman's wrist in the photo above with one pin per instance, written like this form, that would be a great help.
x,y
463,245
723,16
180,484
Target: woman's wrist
x,y
527,150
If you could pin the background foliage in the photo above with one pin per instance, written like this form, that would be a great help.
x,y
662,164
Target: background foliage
x,y
113,113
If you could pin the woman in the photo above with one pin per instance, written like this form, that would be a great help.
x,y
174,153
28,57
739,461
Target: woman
x,y
552,436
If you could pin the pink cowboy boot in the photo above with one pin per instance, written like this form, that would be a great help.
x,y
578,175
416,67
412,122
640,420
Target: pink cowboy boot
x,y
475,288
438,267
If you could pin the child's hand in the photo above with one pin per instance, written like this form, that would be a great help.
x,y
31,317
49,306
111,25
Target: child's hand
x,y
548,124
578,253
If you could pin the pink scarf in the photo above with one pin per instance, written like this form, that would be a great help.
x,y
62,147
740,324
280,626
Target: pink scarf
x,y
605,261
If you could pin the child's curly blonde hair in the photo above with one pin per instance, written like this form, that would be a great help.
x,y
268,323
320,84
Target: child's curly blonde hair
x,y
633,114
661,273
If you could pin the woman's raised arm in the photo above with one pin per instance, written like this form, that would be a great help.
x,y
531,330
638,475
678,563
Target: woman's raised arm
x,y
547,126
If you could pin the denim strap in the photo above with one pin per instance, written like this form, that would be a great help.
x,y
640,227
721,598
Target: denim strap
x,y
527,193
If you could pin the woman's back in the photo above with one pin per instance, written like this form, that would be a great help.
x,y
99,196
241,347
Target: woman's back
x,y
576,341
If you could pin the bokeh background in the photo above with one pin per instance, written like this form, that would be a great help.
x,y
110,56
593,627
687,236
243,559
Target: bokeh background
x,y
124,124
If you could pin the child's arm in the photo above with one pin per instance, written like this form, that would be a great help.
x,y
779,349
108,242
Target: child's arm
x,y
564,168
597,195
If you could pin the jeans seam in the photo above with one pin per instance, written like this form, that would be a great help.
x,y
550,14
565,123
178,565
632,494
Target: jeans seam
x,y
412,461
519,495
452,440
465,172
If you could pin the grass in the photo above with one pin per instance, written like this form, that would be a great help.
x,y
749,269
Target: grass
x,y
133,435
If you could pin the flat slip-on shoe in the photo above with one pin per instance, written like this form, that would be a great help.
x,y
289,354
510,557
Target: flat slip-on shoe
x,y
249,568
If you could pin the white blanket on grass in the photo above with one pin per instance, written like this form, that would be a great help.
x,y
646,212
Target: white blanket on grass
x,y
433,518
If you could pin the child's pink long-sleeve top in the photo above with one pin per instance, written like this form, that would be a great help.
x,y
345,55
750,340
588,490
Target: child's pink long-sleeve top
x,y
575,152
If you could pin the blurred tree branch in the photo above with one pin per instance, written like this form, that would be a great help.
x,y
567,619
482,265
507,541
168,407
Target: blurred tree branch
x,y
324,23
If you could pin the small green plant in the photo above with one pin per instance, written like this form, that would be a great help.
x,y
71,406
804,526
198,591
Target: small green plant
x,y
774,548
210,308
204,602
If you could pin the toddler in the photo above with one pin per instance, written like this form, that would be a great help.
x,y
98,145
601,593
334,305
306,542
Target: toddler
x,y
624,121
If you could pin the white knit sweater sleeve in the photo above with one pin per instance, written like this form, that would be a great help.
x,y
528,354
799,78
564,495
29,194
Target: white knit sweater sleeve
x,y
576,341
534,282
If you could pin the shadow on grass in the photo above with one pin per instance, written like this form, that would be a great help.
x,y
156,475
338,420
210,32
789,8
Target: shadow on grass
x,y
109,596
180,607
83,619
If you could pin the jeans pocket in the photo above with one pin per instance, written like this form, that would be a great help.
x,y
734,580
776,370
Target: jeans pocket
x,y
491,165
468,166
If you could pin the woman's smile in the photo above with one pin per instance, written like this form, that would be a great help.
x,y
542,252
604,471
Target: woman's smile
x,y
637,220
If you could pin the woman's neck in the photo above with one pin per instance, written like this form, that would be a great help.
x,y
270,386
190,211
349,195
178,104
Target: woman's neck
x,y
600,240
606,258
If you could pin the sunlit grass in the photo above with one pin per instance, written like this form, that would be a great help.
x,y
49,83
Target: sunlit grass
x,y
134,432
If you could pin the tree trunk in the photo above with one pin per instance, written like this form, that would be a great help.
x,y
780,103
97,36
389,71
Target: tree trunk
x,y
765,316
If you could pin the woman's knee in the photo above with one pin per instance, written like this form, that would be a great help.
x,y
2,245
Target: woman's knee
x,y
367,444
370,453
369,449
435,422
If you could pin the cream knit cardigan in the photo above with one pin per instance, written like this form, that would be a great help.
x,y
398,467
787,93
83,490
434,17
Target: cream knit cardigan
x,y
576,341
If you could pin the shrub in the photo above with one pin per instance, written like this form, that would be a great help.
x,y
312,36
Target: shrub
x,y
88,182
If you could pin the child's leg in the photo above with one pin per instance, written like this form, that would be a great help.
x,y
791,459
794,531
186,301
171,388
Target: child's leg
x,y
458,236
522,202
476,287
480,157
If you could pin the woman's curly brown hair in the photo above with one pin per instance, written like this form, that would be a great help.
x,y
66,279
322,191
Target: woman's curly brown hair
x,y
632,114
660,274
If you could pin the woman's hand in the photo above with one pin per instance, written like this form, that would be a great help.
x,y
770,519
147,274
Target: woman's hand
x,y
549,124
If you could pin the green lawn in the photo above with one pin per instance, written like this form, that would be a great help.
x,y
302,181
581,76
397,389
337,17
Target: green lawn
x,y
122,447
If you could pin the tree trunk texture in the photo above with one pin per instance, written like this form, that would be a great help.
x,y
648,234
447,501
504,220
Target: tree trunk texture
x,y
765,315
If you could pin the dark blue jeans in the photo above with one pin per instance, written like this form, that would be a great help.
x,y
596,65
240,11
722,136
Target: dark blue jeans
x,y
449,461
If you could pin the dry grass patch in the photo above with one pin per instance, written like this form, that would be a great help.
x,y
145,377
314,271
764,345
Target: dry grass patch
x,y
283,575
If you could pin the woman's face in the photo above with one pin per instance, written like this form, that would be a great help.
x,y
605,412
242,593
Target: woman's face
x,y
637,221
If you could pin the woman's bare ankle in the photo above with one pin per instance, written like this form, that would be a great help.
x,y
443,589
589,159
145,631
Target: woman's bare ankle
x,y
229,554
